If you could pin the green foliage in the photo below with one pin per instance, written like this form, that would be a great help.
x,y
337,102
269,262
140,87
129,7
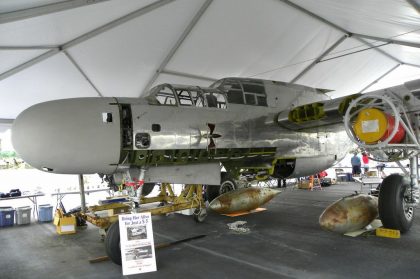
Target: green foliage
x,y
7,154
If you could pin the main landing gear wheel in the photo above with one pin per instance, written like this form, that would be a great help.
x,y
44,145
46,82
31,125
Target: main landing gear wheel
x,y
200,214
112,243
394,211
227,184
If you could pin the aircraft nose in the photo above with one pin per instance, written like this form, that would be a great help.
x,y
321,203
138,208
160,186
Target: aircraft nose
x,y
72,136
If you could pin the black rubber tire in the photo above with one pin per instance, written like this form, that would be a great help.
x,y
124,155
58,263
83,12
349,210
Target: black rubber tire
x,y
227,185
391,203
147,188
112,243
213,191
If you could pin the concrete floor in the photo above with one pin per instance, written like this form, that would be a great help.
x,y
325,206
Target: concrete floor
x,y
284,242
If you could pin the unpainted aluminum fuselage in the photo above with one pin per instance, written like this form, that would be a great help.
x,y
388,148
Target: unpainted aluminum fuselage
x,y
100,135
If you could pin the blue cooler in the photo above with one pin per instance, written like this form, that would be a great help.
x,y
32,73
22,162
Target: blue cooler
x,y
45,213
7,216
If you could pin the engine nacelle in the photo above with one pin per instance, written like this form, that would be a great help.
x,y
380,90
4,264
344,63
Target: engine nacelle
x,y
299,167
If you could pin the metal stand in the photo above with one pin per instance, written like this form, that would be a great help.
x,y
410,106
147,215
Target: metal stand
x,y
191,197
414,176
141,180
82,193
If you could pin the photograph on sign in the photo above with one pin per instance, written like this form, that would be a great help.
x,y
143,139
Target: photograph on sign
x,y
144,252
136,232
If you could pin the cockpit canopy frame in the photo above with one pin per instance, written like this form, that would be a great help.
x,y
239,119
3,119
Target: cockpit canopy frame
x,y
243,91
194,96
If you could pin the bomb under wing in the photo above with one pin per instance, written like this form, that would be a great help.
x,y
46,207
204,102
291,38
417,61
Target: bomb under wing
x,y
242,200
349,214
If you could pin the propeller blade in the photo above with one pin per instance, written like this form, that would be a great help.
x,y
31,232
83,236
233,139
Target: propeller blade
x,y
211,144
211,127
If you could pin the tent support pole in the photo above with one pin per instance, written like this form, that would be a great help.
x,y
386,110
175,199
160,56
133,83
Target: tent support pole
x,y
86,37
82,193
45,9
319,58
329,23
83,73
176,46
379,78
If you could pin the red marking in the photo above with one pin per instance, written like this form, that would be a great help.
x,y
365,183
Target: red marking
x,y
399,136
135,184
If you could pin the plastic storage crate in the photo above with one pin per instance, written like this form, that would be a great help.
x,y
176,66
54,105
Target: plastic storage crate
x,y
45,213
23,215
7,216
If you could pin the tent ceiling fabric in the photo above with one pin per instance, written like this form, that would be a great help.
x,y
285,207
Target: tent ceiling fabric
x,y
269,39
12,58
382,18
58,28
13,5
254,41
121,61
347,74
54,78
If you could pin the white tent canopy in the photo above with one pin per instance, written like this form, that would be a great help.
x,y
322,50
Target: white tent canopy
x,y
63,49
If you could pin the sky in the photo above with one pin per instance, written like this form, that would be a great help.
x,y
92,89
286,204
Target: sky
x,y
6,140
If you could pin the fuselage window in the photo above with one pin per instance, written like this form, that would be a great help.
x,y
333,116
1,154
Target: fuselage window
x,y
250,99
262,100
254,93
165,96
234,92
249,92
253,88
184,98
187,96
215,100
197,98
221,100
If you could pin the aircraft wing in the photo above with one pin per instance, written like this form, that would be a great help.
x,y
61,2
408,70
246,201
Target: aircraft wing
x,y
315,114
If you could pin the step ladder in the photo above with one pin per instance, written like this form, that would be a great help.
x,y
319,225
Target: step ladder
x,y
316,183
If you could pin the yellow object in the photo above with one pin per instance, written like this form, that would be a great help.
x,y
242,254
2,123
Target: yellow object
x,y
190,198
64,225
382,232
372,173
116,211
305,184
371,125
